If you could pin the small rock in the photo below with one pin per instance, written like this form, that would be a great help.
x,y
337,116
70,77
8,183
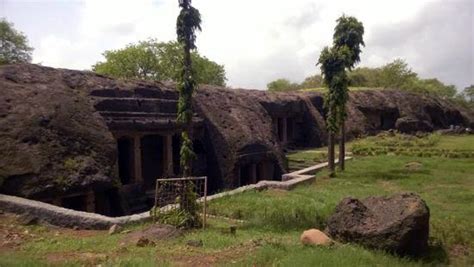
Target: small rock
x,y
315,237
413,166
114,229
194,243
126,231
143,242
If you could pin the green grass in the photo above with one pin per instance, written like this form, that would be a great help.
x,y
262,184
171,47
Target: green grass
x,y
446,185
274,219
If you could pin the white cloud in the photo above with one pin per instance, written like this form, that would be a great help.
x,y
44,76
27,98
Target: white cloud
x,y
257,41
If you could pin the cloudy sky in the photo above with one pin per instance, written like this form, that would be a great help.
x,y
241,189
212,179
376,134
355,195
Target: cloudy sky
x,y
257,41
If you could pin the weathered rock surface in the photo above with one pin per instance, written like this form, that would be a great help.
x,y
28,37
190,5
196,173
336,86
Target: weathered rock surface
x,y
57,126
398,224
315,237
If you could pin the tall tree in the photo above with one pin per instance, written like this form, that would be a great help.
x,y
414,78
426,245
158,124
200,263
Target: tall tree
x,y
189,20
281,85
153,60
469,92
348,34
14,46
333,63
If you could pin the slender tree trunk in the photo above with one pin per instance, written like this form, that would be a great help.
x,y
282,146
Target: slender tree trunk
x,y
342,146
331,156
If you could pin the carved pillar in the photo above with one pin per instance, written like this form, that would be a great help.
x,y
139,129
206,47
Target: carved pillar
x,y
284,128
168,156
253,173
239,178
137,158
90,201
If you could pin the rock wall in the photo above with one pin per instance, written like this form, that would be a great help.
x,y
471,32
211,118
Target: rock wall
x,y
57,126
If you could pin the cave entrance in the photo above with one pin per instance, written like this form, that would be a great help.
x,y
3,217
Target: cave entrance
x,y
252,173
77,202
152,159
109,203
247,174
176,146
265,171
388,119
125,159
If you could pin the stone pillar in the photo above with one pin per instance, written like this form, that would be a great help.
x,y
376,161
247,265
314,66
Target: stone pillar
x,y
239,178
253,173
137,159
263,171
90,202
275,125
168,156
284,128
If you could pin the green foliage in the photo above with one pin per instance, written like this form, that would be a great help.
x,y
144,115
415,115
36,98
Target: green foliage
x,y
14,46
469,93
333,62
433,145
398,75
282,85
153,60
189,20
71,164
349,32
314,81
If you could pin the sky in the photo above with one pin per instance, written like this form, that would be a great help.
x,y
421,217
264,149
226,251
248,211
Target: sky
x,y
256,41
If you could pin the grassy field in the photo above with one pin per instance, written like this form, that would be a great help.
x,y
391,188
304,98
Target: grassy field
x,y
273,221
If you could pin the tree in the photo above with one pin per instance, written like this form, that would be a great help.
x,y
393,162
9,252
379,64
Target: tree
x,y
153,60
469,92
14,46
348,35
397,75
282,85
333,62
314,81
189,20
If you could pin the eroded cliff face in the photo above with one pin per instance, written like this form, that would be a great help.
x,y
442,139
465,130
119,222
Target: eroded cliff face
x,y
51,138
59,128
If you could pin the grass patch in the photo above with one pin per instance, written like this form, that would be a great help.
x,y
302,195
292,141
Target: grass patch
x,y
274,219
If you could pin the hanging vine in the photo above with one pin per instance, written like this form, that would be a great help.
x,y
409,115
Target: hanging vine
x,y
188,22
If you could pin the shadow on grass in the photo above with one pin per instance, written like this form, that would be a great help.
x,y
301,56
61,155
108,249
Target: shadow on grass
x,y
436,254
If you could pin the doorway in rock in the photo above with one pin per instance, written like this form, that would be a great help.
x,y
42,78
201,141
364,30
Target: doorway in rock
x,y
109,203
265,171
152,159
176,146
125,159
246,174
77,202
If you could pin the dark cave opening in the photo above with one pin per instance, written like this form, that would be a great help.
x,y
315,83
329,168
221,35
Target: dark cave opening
x,y
152,159
125,159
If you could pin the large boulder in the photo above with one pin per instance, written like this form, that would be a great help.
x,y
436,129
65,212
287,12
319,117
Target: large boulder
x,y
412,125
398,224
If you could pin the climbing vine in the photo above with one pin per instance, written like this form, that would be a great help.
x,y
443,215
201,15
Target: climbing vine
x,y
345,53
188,22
